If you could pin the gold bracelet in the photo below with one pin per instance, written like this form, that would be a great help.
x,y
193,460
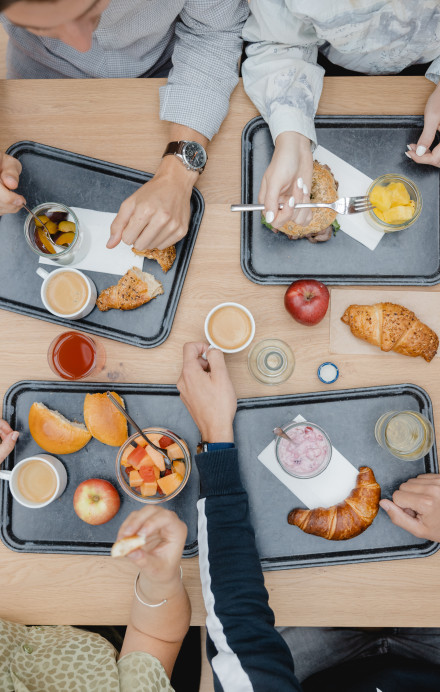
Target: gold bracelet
x,y
151,605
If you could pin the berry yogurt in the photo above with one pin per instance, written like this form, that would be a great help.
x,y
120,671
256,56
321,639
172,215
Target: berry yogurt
x,y
309,452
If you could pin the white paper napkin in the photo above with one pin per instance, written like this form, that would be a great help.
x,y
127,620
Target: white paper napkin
x,y
330,487
96,228
352,182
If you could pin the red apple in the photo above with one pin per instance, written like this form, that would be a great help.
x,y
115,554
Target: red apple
x,y
307,301
96,501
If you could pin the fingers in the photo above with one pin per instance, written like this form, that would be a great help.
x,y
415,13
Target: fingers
x,y
420,502
10,171
148,520
401,518
7,445
217,364
193,351
302,195
428,134
5,428
122,218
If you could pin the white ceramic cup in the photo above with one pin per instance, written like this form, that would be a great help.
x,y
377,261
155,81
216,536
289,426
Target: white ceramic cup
x,y
235,305
91,293
56,466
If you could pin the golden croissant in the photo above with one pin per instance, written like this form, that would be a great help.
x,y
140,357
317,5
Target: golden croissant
x,y
392,328
134,289
165,257
347,519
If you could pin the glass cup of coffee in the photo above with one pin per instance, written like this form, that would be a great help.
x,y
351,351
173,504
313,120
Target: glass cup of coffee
x,y
73,356
230,327
67,293
67,243
37,481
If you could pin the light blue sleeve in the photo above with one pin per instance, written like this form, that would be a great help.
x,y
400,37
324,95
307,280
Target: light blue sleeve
x,y
280,74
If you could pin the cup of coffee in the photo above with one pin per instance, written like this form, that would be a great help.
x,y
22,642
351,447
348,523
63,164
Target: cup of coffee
x,y
37,481
230,327
67,293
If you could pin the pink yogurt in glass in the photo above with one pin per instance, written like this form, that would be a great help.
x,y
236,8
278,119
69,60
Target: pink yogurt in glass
x,y
309,452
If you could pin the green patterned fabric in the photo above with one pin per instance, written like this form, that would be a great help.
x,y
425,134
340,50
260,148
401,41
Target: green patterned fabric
x,y
50,659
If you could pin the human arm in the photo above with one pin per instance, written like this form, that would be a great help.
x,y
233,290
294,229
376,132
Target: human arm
x,y
282,78
157,214
416,506
10,169
8,439
157,631
420,151
245,650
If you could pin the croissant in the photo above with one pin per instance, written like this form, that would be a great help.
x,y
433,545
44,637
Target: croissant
x,y
134,289
347,519
392,328
165,258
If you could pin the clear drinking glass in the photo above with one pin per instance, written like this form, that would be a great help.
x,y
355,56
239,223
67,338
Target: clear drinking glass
x,y
407,435
69,255
414,194
271,361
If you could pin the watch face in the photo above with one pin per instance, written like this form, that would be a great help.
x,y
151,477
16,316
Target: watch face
x,y
194,155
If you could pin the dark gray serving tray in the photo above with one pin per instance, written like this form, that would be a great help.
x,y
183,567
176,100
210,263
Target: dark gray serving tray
x,y
55,175
349,417
376,145
56,528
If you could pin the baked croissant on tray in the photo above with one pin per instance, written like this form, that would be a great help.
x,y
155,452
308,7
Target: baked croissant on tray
x,y
393,328
134,289
347,519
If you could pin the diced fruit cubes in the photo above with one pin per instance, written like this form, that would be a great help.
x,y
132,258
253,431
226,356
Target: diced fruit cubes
x,y
392,203
168,484
145,466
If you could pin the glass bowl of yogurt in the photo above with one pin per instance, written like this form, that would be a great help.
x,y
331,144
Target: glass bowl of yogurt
x,y
308,453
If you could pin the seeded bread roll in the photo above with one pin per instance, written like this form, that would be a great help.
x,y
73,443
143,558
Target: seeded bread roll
x,y
324,189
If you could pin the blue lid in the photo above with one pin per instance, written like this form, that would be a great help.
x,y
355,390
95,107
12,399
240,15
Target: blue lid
x,y
335,375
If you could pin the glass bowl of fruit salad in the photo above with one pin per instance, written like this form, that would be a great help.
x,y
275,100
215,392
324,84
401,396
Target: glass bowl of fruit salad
x,y
141,471
397,201
307,454
66,242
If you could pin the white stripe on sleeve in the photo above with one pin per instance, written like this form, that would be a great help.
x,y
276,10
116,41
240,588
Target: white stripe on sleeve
x,y
226,663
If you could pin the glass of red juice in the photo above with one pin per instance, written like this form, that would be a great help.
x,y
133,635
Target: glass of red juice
x,y
73,355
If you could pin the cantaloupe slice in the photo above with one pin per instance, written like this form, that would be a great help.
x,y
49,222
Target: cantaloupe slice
x,y
125,453
135,479
168,484
179,467
156,457
148,489
174,451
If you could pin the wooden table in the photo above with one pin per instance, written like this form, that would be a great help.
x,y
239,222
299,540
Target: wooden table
x,y
117,120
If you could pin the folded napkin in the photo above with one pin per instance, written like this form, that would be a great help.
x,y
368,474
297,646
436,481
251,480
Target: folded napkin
x,y
352,183
96,228
330,487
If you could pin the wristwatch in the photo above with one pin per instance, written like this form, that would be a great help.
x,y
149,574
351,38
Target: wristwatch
x,y
192,154
213,446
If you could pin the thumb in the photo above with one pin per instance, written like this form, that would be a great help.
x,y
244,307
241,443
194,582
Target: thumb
x,y
427,136
118,226
216,360
8,444
401,518
10,170
271,201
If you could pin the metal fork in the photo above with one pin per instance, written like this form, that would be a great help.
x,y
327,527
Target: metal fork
x,y
344,205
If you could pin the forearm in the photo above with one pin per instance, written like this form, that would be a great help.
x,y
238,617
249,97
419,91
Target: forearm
x,y
240,622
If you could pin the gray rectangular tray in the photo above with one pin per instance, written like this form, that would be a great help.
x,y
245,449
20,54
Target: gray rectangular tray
x,y
56,528
349,417
375,145
55,175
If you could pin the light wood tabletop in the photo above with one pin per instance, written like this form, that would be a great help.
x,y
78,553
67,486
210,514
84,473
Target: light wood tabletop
x,y
117,120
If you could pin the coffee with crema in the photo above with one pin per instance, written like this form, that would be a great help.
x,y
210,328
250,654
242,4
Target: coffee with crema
x,y
66,292
229,327
36,481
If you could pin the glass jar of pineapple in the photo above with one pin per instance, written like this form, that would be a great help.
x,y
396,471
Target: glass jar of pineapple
x,y
397,201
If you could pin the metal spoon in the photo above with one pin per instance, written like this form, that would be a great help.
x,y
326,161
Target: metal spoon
x,y
168,463
280,433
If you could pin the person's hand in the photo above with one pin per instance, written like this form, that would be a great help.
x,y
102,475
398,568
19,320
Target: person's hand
x,y
421,152
8,439
159,559
157,215
10,170
416,506
207,392
288,180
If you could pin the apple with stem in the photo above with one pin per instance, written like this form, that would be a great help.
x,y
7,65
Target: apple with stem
x,y
307,301
96,501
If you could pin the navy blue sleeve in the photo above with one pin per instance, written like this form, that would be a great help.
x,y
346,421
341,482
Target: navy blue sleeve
x,y
245,650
